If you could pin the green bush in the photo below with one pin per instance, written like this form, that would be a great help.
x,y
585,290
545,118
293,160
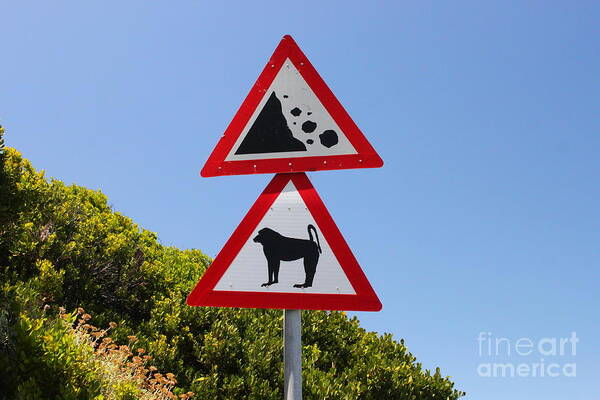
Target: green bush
x,y
68,246
62,356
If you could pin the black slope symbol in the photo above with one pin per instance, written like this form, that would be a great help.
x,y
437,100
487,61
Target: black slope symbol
x,y
270,132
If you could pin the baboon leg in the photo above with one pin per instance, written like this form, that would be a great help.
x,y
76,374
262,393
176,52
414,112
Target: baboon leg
x,y
273,271
276,271
310,267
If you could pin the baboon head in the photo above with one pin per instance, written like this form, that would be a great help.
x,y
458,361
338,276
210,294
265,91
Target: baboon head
x,y
265,235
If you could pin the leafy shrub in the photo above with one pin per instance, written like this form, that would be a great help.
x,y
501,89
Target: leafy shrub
x,y
68,246
63,356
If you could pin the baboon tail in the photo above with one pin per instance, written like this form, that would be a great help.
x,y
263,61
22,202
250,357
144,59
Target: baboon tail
x,y
316,235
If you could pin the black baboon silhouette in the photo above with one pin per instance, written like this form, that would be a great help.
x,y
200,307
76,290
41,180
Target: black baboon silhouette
x,y
279,248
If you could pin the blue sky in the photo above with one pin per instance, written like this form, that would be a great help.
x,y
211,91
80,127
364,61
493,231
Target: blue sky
x,y
485,216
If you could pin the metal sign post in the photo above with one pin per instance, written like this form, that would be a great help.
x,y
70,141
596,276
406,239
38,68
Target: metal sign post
x,y
290,123
292,355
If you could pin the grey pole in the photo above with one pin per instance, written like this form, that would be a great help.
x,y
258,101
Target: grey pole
x,y
292,355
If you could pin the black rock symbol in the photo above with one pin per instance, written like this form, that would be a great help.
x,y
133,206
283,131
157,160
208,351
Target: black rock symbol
x,y
309,126
328,138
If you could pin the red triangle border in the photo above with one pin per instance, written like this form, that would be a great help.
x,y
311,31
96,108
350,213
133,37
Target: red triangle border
x,y
366,156
365,298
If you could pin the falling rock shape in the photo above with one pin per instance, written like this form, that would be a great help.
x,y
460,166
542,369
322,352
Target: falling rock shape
x,y
309,126
328,138
270,132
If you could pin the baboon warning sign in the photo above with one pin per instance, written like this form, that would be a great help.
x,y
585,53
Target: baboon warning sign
x,y
290,122
286,253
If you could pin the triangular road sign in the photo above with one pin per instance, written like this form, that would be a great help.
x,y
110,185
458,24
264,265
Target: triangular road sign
x,y
286,253
290,122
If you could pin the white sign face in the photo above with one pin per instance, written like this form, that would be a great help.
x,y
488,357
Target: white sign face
x,y
290,121
286,232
